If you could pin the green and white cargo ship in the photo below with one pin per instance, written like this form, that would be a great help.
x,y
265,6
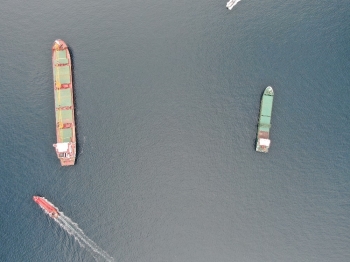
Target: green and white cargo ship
x,y
263,137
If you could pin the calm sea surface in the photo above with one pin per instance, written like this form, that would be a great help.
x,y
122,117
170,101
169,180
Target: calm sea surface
x,y
167,99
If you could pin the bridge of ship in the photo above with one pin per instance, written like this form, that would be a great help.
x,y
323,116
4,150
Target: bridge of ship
x,y
63,95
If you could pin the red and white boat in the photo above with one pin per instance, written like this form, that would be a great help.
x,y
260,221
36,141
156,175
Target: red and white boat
x,y
47,206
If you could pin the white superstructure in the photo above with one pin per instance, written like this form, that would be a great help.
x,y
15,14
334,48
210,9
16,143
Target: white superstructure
x,y
230,4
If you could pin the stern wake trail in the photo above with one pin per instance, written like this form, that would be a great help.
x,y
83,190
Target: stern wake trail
x,y
73,229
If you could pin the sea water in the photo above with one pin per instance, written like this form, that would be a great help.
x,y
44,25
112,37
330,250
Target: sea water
x,y
167,100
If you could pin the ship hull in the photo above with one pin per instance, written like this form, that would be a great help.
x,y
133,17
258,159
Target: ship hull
x,y
47,206
263,136
64,103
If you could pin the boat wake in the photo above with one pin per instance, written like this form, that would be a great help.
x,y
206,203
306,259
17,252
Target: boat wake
x,y
230,4
73,229
82,147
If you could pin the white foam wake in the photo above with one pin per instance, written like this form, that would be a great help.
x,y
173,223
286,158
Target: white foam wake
x,y
73,229
230,4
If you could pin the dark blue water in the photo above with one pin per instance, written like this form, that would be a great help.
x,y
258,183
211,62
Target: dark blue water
x,y
167,99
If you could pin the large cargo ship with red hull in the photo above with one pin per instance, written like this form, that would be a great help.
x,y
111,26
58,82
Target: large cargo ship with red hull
x,y
64,103
47,206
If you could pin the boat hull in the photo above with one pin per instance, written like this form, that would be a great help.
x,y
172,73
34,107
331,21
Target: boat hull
x,y
47,206
263,136
64,103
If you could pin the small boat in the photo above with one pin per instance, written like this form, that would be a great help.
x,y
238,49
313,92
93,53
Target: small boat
x,y
47,206
230,4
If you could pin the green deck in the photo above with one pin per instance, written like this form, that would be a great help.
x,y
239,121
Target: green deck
x,y
66,134
266,105
61,57
264,123
263,135
63,97
66,116
62,61
62,74
265,111
61,54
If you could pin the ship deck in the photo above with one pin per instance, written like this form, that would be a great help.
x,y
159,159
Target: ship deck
x,y
62,73
66,134
266,105
63,98
63,95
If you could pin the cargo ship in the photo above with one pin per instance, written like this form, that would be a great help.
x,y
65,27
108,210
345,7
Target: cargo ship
x,y
47,206
64,103
263,136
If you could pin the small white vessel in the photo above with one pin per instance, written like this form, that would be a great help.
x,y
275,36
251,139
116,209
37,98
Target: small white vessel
x,y
230,4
